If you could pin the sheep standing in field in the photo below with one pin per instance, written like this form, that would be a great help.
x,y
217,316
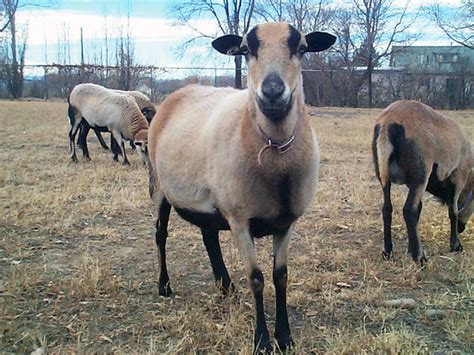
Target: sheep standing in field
x,y
146,107
244,160
416,146
101,107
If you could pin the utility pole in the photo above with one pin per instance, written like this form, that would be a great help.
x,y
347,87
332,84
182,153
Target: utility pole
x,y
82,48
82,56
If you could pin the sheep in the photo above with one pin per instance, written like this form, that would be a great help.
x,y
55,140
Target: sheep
x,y
416,146
146,107
143,101
106,109
241,160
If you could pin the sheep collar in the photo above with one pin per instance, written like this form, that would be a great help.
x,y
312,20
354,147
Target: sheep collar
x,y
281,147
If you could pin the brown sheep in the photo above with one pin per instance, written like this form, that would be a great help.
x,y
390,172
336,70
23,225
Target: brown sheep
x,y
244,160
416,146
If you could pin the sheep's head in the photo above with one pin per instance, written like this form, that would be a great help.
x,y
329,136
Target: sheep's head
x,y
141,142
273,52
466,204
149,113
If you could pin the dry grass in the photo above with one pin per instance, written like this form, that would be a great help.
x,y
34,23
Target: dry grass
x,y
78,268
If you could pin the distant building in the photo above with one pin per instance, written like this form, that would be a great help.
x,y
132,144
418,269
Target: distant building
x,y
441,76
433,59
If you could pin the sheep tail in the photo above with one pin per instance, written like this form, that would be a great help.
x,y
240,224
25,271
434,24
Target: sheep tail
x,y
382,148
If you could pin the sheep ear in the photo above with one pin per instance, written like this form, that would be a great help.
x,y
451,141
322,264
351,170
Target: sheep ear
x,y
319,41
228,44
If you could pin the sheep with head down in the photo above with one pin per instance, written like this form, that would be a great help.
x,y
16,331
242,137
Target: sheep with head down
x,y
244,160
144,103
416,146
101,107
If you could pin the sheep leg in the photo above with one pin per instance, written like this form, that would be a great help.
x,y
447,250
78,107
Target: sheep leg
x,y
100,139
118,137
454,242
114,147
75,120
164,209
81,129
387,222
411,215
241,234
221,275
82,140
72,138
280,280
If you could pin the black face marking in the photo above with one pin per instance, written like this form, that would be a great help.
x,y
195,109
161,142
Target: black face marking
x,y
253,42
293,40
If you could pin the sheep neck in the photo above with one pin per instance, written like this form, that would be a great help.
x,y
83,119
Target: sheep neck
x,y
282,147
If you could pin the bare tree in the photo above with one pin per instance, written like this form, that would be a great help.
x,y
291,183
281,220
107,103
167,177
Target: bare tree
x,y
230,16
349,81
457,25
305,15
7,12
16,48
381,24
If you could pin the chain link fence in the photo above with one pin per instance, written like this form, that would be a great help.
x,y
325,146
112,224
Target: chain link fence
x,y
323,87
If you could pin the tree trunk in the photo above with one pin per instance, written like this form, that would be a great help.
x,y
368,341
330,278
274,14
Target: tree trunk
x,y
15,72
238,72
369,74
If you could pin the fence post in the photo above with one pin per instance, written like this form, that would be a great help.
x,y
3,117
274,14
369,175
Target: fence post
x,y
45,79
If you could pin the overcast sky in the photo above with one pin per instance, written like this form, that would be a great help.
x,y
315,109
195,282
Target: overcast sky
x,y
156,40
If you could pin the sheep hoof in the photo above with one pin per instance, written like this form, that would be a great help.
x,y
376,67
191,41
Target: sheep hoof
x,y
457,249
74,159
228,290
284,342
387,256
263,347
165,290
125,163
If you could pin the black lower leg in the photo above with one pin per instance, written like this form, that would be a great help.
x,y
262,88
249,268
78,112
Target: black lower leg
x,y
454,242
83,132
211,241
282,327
410,214
160,237
420,207
101,139
125,160
387,222
72,145
262,338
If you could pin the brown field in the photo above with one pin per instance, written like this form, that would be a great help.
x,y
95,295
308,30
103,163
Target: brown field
x,y
78,266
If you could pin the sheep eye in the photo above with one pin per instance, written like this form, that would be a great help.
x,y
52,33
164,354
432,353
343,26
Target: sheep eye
x,y
302,48
244,50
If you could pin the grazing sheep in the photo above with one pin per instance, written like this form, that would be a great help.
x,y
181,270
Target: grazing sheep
x,y
416,146
143,101
244,160
101,107
146,107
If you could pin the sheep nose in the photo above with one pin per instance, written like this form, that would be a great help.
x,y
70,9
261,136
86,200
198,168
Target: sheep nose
x,y
273,87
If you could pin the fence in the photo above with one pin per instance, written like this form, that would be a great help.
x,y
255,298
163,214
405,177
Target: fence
x,y
323,87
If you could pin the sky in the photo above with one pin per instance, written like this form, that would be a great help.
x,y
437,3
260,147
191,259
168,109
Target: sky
x,y
157,41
